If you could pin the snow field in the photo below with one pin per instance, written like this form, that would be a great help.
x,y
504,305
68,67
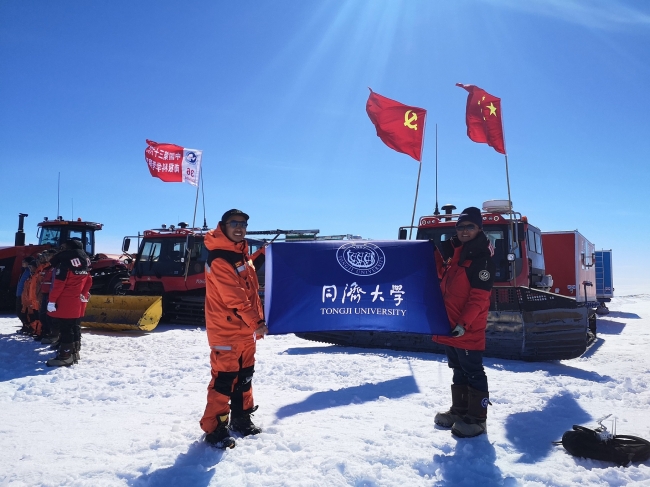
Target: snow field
x,y
128,413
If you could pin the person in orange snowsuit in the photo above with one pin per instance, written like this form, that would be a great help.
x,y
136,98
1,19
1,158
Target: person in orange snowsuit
x,y
30,299
234,320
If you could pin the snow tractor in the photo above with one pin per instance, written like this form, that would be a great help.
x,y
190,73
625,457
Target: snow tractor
x,y
526,320
107,272
170,266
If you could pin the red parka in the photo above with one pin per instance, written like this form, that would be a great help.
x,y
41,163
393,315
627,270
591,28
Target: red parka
x,y
71,279
233,309
467,276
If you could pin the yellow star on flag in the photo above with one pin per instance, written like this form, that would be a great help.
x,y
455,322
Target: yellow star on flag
x,y
493,109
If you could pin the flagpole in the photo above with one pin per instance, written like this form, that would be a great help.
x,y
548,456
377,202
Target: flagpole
x,y
196,202
436,211
417,186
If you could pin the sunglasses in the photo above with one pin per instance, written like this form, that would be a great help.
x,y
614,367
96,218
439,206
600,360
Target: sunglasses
x,y
469,228
235,224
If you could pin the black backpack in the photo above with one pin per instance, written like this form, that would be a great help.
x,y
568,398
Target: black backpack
x,y
599,444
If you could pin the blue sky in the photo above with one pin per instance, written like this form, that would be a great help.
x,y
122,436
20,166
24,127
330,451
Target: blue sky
x,y
274,94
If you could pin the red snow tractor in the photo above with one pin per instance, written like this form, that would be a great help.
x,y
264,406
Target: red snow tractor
x,y
170,263
107,272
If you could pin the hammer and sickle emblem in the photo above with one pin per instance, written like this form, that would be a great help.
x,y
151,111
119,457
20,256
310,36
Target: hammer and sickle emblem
x,y
409,118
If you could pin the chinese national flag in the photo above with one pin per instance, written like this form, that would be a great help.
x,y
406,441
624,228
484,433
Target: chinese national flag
x,y
483,118
399,126
173,163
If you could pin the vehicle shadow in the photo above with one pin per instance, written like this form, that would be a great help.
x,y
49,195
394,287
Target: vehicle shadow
x,y
195,468
533,432
135,333
21,356
390,389
610,327
473,462
623,314
553,368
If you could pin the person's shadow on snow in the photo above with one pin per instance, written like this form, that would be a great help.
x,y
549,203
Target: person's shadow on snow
x,y
473,462
532,433
194,468
21,356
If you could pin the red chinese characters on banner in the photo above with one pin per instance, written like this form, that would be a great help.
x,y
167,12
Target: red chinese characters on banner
x,y
399,126
173,163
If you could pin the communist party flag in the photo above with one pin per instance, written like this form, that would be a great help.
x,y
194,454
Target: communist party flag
x,y
399,126
173,163
483,118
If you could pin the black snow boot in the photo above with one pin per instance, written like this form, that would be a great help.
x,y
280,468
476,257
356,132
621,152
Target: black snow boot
x,y
240,422
49,339
473,423
458,409
220,437
64,357
75,353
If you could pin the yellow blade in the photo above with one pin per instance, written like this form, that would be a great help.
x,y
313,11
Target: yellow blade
x,y
123,312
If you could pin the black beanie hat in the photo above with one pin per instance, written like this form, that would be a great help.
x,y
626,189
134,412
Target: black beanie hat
x,y
233,212
472,215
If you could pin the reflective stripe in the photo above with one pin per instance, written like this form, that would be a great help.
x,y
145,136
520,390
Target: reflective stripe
x,y
221,347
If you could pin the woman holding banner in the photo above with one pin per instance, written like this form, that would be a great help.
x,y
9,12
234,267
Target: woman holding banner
x,y
466,273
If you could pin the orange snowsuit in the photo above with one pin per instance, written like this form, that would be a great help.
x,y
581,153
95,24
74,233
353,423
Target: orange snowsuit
x,y
33,287
233,311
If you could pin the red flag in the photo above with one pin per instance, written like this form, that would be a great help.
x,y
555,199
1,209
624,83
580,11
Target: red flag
x,y
399,126
173,163
483,118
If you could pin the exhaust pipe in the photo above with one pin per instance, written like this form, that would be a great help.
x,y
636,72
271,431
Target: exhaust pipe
x,y
20,234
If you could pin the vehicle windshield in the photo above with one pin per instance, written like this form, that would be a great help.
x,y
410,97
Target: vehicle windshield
x,y
49,236
498,236
167,257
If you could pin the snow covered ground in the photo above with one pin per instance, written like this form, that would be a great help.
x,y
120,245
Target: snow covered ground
x,y
128,413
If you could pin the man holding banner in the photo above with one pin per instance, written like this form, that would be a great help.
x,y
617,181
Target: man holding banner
x,y
233,320
466,270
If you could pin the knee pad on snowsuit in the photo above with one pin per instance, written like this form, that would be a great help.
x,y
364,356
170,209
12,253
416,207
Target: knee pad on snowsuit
x,y
245,379
223,382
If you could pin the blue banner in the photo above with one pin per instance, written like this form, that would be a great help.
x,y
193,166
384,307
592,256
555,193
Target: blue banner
x,y
353,285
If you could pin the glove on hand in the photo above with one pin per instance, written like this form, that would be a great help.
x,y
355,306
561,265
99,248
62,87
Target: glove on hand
x,y
83,298
458,331
51,307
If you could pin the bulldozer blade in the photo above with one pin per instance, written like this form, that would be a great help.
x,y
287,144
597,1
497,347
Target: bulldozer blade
x,y
123,312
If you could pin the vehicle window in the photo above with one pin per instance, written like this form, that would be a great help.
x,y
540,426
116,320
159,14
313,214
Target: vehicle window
x,y
538,243
531,241
83,236
150,251
49,236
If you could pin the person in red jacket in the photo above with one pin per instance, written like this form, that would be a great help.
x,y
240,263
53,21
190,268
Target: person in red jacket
x,y
234,320
466,270
70,285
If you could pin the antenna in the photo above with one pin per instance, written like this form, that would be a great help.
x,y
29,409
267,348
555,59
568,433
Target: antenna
x,y
58,194
436,211
72,215
205,223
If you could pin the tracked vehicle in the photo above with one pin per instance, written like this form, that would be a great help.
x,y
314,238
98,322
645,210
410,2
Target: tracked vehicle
x,y
526,320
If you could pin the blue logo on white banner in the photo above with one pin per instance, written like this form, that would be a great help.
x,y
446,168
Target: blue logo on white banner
x,y
361,259
376,286
191,157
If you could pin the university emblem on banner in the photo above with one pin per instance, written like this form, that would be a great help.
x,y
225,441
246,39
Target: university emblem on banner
x,y
361,259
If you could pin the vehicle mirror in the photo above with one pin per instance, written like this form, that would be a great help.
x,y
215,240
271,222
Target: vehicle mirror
x,y
126,244
402,234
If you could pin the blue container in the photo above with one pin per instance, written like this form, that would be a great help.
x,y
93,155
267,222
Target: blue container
x,y
604,279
